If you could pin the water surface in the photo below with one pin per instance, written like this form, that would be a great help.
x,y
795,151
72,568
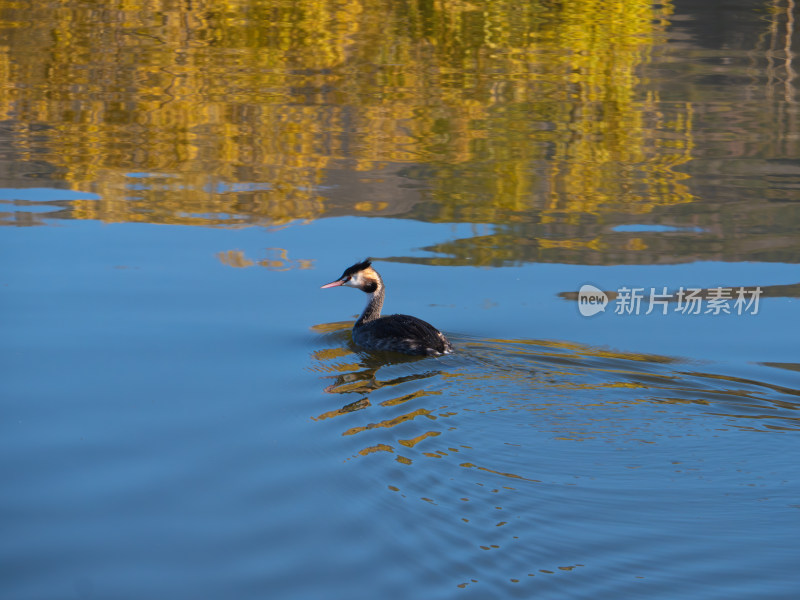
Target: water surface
x,y
184,413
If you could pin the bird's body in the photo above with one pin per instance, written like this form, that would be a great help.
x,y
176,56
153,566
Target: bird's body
x,y
397,333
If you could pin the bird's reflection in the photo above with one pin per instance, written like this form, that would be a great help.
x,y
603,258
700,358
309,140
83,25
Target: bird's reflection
x,y
353,370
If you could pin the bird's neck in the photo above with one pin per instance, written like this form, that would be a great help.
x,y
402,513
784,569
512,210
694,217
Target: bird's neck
x,y
374,305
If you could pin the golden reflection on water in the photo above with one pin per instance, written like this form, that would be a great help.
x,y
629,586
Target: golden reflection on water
x,y
277,259
229,113
510,475
576,393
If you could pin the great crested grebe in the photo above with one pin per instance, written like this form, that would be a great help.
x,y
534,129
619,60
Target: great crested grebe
x,y
398,333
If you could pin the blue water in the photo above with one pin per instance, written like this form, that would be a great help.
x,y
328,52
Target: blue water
x,y
645,227
176,427
183,413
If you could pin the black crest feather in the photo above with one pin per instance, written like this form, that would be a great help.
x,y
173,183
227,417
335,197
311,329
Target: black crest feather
x,y
349,271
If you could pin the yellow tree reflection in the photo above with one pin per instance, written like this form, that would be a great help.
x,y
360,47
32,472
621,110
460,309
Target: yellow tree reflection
x,y
165,108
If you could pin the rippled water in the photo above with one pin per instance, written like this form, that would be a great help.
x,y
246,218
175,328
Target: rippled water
x,y
184,413
593,442
167,429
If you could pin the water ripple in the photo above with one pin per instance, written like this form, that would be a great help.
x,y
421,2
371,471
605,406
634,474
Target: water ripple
x,y
528,460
